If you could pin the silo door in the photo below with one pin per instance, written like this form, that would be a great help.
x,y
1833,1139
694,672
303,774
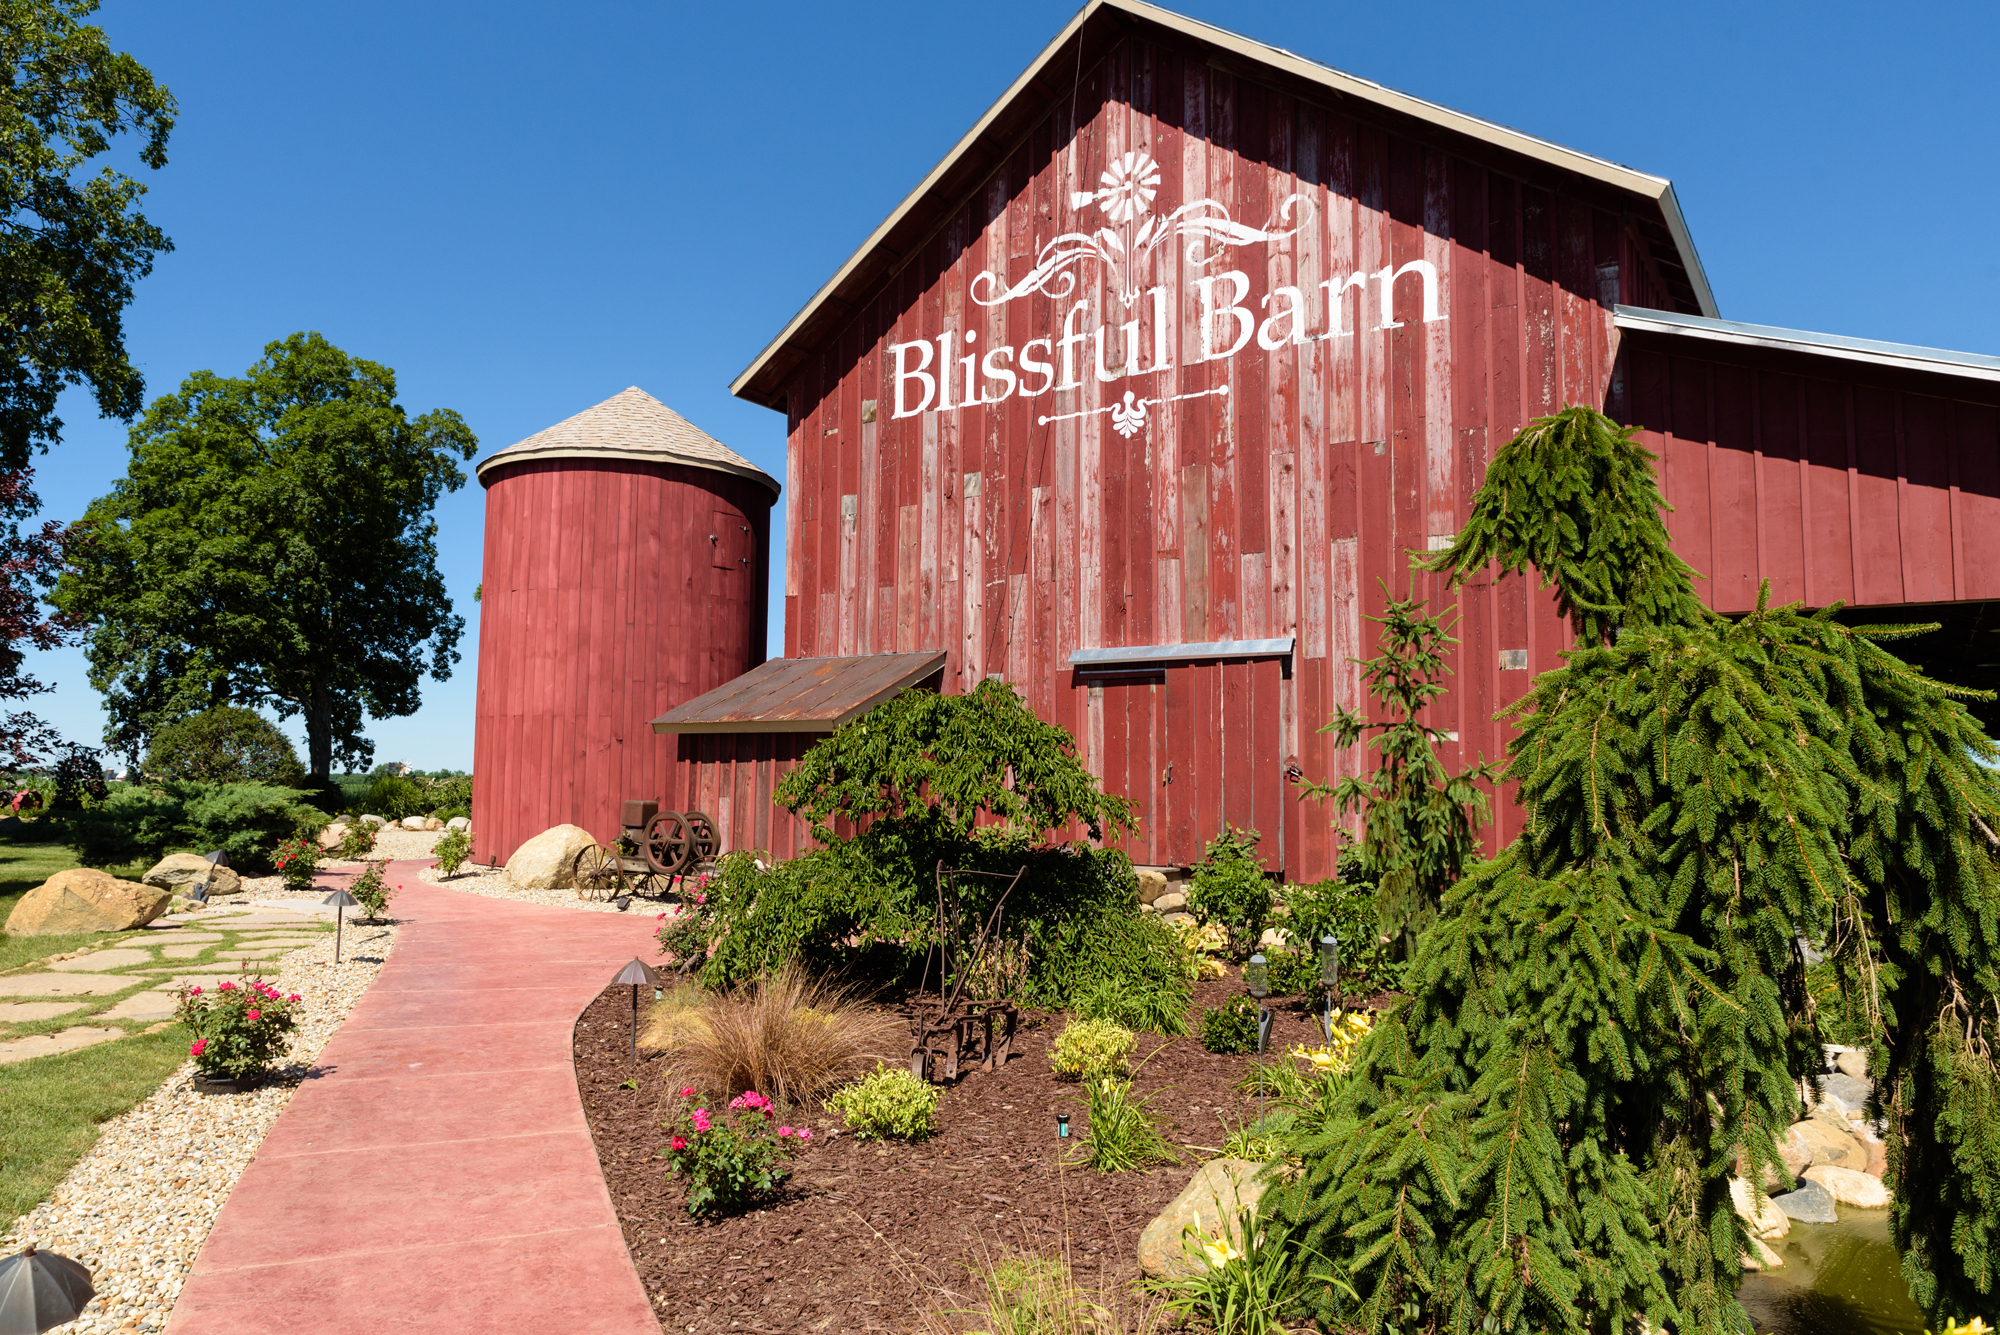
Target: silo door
x,y
729,541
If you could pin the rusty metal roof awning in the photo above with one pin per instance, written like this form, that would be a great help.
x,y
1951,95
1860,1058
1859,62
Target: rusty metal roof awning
x,y
802,694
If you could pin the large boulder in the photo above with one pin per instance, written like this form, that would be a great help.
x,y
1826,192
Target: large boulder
x,y
1171,902
1810,1204
1845,1092
412,822
1851,1188
374,822
459,823
1765,1219
1823,1143
548,861
331,835
1221,1189
1852,1061
183,872
1152,884
82,900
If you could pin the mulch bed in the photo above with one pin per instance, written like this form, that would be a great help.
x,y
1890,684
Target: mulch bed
x,y
868,1234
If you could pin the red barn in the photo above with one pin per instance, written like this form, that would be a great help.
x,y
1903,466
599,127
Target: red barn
x,y
1140,399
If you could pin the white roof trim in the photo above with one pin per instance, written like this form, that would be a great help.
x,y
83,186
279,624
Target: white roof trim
x,y
1177,653
1905,356
1656,188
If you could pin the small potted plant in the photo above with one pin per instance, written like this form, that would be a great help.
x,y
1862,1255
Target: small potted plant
x,y
239,1028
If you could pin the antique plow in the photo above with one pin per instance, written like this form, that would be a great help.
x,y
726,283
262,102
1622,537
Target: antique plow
x,y
956,1030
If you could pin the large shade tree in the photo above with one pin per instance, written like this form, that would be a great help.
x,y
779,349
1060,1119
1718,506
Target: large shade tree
x,y
73,242
1611,1018
272,543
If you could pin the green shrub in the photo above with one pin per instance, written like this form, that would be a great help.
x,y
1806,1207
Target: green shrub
x,y
224,745
393,798
1345,908
372,892
1091,1049
731,1159
144,822
1229,887
1124,1132
297,860
358,842
1293,972
452,851
1231,1027
890,1104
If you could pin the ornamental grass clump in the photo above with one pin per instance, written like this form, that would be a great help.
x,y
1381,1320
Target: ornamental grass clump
x,y
786,1033
238,1028
730,1159
1124,1132
890,1104
1088,1049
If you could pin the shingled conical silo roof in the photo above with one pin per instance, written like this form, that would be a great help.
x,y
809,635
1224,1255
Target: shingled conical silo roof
x,y
631,424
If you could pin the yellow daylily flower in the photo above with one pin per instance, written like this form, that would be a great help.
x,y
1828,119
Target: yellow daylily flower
x,y
1218,1251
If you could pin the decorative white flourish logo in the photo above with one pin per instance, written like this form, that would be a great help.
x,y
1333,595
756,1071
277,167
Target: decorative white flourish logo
x,y
1128,417
1125,193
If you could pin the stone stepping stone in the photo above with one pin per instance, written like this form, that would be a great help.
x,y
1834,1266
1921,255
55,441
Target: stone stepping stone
x,y
64,984
63,1040
184,950
224,969
142,1006
20,1012
279,942
98,960
206,981
268,954
178,937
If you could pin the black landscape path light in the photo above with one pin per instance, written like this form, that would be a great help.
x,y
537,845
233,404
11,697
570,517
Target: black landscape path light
x,y
40,1291
341,902
637,974
1257,977
1329,977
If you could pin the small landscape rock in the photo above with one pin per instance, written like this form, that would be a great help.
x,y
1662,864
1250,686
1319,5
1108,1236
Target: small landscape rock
x,y
1152,884
1220,1189
412,822
183,873
82,900
1169,903
1822,1143
373,821
1851,1188
1852,1061
1761,1257
1810,1204
459,823
1846,1092
433,823
331,835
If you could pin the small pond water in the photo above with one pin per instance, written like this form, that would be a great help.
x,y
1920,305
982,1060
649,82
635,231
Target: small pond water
x,y
1838,1279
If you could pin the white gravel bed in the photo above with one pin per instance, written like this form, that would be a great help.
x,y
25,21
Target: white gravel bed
x,y
493,883
138,1206
395,845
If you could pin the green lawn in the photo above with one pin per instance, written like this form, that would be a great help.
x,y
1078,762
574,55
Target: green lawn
x,y
51,1108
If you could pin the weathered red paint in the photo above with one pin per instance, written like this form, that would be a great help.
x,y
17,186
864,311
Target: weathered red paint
x,y
602,608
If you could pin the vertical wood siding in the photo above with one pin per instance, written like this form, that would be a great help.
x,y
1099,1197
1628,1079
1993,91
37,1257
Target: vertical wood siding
x,y
602,608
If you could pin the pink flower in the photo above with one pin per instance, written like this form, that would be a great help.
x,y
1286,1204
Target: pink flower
x,y
256,1015
805,1133
659,917
688,1093
195,1048
677,1143
701,1119
783,1132
196,992
738,1102
701,899
227,987
294,997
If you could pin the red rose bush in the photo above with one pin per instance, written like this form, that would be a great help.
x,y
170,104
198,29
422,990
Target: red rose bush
x,y
238,1028
734,1158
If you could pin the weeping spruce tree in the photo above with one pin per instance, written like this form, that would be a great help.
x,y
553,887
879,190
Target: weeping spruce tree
x,y
1611,1018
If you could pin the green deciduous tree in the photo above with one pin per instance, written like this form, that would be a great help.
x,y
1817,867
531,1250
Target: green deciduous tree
x,y
272,542
224,745
73,242
1611,1017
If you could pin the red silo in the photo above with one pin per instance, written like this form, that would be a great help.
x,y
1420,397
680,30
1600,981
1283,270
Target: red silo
x,y
626,563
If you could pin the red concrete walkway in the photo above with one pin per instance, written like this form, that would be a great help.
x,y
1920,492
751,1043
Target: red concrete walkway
x,y
439,1175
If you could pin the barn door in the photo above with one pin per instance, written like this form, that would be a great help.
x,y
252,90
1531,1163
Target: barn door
x,y
1223,760
729,541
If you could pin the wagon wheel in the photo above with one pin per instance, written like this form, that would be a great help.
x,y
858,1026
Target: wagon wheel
x,y
667,843
597,873
702,839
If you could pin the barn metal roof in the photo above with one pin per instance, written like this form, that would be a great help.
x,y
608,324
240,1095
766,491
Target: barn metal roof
x,y
965,167
801,694
1907,356
631,424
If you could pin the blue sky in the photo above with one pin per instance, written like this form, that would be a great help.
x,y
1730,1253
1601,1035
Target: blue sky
x,y
524,208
